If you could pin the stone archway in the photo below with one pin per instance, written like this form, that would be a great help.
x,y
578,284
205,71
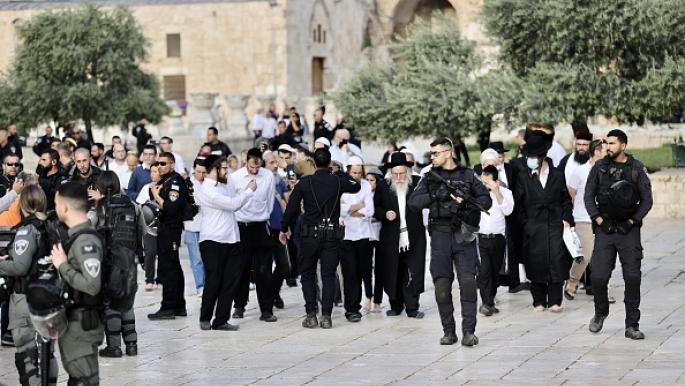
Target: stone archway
x,y
406,11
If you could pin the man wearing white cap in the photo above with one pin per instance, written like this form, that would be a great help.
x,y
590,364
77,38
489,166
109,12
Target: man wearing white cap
x,y
286,156
356,210
322,143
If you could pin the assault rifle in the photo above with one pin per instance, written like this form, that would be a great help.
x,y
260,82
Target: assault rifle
x,y
458,189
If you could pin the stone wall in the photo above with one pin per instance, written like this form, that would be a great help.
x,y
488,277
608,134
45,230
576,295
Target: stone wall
x,y
668,187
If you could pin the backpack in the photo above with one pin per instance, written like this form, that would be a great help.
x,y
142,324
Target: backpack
x,y
192,208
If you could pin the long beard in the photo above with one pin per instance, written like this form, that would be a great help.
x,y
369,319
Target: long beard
x,y
399,188
581,158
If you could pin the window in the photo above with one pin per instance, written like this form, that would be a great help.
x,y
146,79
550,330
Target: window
x,y
173,45
319,34
174,87
317,75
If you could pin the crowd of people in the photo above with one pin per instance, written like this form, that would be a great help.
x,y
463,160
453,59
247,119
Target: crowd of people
x,y
282,211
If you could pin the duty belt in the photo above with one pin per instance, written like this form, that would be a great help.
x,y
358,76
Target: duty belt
x,y
490,236
250,223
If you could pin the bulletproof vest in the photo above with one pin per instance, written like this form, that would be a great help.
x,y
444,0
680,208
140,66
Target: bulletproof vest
x,y
618,196
174,179
82,299
20,283
122,221
5,185
443,209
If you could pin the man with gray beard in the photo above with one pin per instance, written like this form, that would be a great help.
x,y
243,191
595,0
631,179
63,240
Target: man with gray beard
x,y
402,238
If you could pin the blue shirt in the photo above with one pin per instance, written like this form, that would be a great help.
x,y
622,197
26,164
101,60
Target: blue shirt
x,y
277,212
139,178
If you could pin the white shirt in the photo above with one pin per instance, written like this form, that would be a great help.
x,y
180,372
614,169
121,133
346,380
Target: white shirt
x,y
257,122
269,127
179,164
144,194
358,228
218,202
556,153
577,181
571,166
495,223
260,205
122,172
195,224
544,174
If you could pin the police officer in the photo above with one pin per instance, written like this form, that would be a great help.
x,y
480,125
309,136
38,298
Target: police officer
x,y
171,194
27,247
618,196
453,223
79,265
11,165
49,175
321,233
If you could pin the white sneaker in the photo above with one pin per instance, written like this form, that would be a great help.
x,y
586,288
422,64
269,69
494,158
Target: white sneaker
x,y
253,286
200,291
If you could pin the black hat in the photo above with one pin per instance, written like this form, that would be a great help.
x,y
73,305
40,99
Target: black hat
x,y
397,159
537,143
584,135
498,146
210,160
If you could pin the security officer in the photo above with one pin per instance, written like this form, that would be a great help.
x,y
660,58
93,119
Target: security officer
x,y
453,223
171,194
27,247
11,166
321,233
49,175
79,265
618,196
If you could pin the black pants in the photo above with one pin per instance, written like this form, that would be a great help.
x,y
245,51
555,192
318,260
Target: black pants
x,y
169,267
377,273
405,294
4,317
352,260
327,252
446,255
491,251
282,269
629,250
255,239
150,248
546,294
514,255
224,265
293,249
367,271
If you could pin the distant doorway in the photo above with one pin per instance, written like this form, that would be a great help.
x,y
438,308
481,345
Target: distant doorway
x,y
317,76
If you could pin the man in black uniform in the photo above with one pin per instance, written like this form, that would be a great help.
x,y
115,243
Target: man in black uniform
x,y
171,194
618,196
10,168
45,142
453,224
321,233
49,175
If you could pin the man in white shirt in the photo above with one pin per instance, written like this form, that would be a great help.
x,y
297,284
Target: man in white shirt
x,y
356,210
576,189
220,242
268,126
580,156
119,165
341,149
255,235
167,145
257,124
491,239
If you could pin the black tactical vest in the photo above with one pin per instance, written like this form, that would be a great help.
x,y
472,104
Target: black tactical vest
x,y
618,194
19,283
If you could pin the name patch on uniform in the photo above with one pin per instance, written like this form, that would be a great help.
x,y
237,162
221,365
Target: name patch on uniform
x,y
88,248
92,266
173,196
174,187
20,246
22,232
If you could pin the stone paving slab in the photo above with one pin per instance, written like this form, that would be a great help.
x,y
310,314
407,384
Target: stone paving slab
x,y
517,346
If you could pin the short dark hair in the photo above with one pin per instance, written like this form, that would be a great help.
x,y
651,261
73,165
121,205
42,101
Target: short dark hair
x,y
199,161
216,164
167,138
322,158
76,195
100,146
444,141
4,159
150,147
115,137
620,134
213,130
281,123
167,154
255,154
54,154
492,171
595,146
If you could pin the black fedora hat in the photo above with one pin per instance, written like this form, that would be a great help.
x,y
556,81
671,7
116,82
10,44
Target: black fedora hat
x,y
397,159
498,146
537,143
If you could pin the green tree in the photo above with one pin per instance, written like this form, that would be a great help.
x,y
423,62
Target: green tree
x,y
81,63
579,58
432,84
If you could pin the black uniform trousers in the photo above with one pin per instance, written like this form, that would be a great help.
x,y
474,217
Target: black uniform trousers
x,y
491,250
352,257
282,269
377,273
546,294
629,249
312,251
224,264
169,267
255,238
446,255
406,296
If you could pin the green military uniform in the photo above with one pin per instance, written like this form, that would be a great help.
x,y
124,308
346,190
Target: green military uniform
x,y
21,258
82,272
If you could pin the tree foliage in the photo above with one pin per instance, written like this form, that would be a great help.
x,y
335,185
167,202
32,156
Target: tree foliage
x,y
578,58
432,85
81,63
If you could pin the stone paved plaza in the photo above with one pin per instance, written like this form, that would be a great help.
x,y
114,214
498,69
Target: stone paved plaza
x,y
516,346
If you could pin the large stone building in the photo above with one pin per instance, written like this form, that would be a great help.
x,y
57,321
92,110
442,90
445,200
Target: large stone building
x,y
242,54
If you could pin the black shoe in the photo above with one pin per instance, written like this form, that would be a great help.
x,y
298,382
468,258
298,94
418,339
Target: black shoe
x,y
449,339
291,282
7,340
326,322
131,350
268,318
180,312
519,288
494,309
278,303
417,315
634,334
392,312
310,321
162,315
111,352
485,310
205,326
238,313
353,317
596,323
226,327
469,339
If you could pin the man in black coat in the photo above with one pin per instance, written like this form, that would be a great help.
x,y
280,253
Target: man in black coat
x,y
545,209
402,238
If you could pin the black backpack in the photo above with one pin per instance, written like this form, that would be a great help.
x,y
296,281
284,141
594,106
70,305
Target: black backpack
x,y
192,208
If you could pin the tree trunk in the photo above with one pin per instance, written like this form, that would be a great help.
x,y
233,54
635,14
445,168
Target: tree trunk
x,y
89,129
484,134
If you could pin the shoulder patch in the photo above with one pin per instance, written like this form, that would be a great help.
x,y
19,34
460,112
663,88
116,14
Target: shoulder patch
x,y
20,246
92,266
23,232
88,248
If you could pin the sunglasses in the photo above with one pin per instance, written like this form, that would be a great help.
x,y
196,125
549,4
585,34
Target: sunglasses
x,y
15,164
160,163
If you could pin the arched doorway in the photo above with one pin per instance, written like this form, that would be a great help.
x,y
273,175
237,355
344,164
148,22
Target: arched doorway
x,y
408,10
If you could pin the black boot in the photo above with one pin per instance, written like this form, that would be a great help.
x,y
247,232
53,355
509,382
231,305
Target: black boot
x,y
449,339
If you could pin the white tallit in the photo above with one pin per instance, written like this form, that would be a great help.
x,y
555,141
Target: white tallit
x,y
402,204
